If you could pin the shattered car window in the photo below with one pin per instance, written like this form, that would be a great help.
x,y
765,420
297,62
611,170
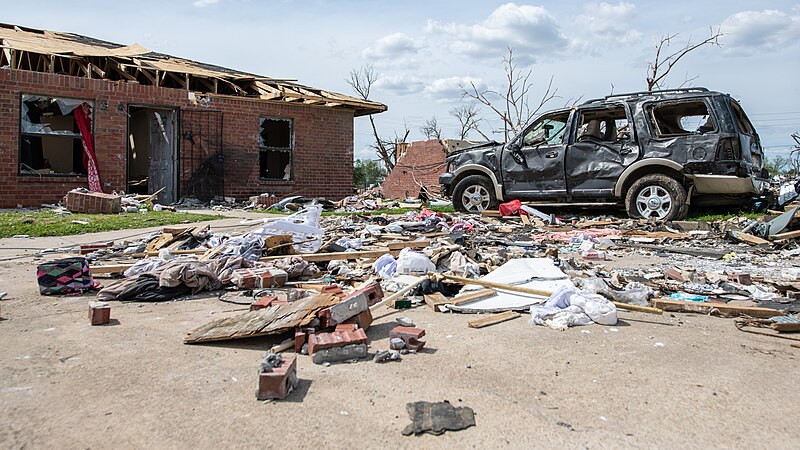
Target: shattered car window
x,y
606,125
681,118
547,130
741,119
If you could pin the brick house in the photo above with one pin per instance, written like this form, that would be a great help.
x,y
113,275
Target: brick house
x,y
418,167
80,112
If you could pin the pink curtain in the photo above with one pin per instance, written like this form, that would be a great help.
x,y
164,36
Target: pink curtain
x,y
83,118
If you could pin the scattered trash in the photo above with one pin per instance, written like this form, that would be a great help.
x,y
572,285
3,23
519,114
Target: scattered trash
x,y
436,418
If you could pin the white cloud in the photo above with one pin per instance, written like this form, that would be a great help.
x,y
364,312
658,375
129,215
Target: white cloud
x,y
402,84
608,22
768,30
530,30
392,46
447,90
204,3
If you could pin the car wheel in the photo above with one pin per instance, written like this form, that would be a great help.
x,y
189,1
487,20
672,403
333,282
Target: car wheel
x,y
658,197
474,194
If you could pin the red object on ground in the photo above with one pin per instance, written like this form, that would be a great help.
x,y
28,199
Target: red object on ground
x,y
510,208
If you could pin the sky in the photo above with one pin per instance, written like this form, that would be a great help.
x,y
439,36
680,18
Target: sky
x,y
423,50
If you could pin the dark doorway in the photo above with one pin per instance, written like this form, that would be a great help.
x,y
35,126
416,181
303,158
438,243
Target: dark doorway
x,y
152,152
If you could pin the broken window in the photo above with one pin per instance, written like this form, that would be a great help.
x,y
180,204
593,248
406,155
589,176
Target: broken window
x,y
276,143
681,118
547,130
50,138
744,124
605,125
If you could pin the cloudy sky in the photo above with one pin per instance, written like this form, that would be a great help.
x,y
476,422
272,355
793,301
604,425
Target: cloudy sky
x,y
425,49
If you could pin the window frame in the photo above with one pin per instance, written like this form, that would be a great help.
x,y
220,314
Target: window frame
x,y
262,148
580,113
77,135
650,107
547,116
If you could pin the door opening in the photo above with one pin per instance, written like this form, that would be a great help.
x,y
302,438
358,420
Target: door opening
x,y
152,152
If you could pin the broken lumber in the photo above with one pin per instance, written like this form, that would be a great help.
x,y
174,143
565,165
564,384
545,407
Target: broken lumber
x,y
110,268
684,251
409,244
436,300
271,320
398,295
542,293
724,308
787,235
493,319
322,257
473,296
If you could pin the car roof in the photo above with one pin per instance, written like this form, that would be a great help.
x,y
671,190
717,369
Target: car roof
x,y
664,94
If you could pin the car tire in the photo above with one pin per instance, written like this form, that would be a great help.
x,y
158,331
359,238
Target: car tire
x,y
474,194
657,196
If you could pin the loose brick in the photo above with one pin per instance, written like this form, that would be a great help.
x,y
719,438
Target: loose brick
x,y
373,292
363,320
92,202
99,313
279,382
741,278
410,336
321,341
339,354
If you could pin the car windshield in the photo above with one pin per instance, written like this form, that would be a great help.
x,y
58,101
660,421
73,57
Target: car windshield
x,y
547,130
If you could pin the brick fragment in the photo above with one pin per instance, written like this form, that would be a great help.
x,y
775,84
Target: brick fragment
x,y
741,278
410,336
372,291
320,341
99,313
279,382
333,289
363,319
266,301
339,354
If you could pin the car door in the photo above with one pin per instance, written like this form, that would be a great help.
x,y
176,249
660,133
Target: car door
x,y
533,164
600,149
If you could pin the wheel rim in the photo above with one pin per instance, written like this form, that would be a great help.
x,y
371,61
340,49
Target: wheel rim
x,y
475,198
653,202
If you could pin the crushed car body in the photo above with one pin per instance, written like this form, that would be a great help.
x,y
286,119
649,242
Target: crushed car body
x,y
655,152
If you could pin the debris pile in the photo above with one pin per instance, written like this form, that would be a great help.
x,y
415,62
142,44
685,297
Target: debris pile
x,y
319,281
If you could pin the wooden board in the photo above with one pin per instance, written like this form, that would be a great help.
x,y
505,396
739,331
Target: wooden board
x,y
111,268
787,235
410,244
477,295
435,300
524,218
493,319
723,308
320,257
273,320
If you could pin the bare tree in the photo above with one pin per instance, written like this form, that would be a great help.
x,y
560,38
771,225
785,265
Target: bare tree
x,y
361,80
469,118
511,105
664,61
431,129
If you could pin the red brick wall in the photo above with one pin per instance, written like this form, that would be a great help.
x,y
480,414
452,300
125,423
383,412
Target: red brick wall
x,y
423,162
323,152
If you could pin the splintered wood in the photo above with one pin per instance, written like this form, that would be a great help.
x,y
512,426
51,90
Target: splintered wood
x,y
493,319
273,320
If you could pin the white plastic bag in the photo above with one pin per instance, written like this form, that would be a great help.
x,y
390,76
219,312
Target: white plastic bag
x,y
410,262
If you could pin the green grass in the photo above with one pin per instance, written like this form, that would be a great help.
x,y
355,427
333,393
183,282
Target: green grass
x,y
47,223
705,216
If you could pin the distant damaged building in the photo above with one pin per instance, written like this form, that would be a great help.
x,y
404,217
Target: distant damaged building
x,y
81,112
418,167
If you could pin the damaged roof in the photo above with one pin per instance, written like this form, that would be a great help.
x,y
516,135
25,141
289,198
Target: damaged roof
x,y
76,55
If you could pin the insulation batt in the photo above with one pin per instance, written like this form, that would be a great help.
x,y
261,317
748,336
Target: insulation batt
x,y
569,307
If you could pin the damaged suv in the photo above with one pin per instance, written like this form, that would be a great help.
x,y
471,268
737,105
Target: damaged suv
x,y
656,152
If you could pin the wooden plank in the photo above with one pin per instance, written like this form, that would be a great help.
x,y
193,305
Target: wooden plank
x,y
321,257
410,244
787,235
784,327
436,300
493,319
748,238
525,219
477,295
723,308
111,268
272,320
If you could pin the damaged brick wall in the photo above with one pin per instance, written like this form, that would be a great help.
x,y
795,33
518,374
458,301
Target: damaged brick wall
x,y
323,151
422,163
